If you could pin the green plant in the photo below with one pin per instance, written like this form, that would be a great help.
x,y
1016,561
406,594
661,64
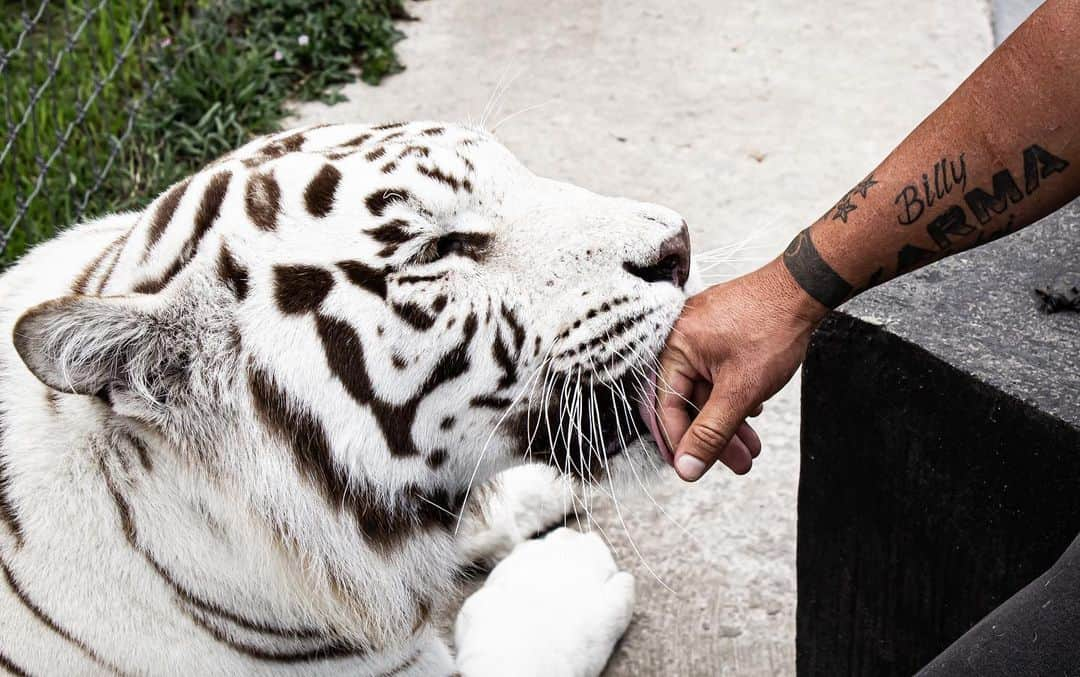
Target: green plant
x,y
171,85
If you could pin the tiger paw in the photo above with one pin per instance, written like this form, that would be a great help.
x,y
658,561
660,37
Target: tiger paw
x,y
555,607
525,501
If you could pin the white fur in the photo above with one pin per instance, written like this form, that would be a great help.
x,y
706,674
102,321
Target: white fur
x,y
224,507
578,605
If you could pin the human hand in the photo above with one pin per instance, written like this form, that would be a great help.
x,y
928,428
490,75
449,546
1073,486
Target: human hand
x,y
735,346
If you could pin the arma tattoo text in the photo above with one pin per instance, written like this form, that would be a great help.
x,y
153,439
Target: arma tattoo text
x,y
980,205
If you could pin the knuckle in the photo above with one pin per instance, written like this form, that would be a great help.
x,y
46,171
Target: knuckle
x,y
710,436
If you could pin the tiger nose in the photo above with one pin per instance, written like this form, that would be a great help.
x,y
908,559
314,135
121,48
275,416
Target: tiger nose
x,y
671,263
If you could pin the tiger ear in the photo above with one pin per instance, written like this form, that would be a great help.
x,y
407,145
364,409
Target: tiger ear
x,y
86,345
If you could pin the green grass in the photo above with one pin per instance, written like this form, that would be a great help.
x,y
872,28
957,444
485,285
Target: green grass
x,y
198,79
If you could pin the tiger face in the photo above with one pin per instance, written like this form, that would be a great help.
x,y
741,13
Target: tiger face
x,y
396,311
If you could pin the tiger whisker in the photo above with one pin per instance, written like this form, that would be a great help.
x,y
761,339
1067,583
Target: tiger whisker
x,y
622,520
483,451
528,109
681,527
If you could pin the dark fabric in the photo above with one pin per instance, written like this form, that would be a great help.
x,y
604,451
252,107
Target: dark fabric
x,y
1036,632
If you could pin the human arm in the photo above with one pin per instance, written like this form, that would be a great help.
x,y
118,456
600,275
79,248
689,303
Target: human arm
x,y
999,154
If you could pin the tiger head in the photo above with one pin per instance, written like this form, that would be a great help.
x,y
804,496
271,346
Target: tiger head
x,y
397,310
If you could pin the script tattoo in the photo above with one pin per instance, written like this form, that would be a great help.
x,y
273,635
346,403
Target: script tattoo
x,y
846,205
953,223
916,198
811,272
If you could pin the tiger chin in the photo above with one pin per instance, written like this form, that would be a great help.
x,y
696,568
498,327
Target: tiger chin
x,y
257,427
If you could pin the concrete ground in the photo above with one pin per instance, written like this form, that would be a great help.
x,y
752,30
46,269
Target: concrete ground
x,y
750,118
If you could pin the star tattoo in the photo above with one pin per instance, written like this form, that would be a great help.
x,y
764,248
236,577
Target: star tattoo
x,y
842,209
864,186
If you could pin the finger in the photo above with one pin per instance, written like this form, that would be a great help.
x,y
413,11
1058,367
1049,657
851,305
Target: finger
x,y
708,435
757,412
702,389
750,438
737,456
673,388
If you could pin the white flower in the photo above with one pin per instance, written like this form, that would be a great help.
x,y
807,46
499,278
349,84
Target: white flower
x,y
278,56
303,40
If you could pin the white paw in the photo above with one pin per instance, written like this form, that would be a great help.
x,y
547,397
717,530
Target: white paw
x,y
525,501
537,495
554,608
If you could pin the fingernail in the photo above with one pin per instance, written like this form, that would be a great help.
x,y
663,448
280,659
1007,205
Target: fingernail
x,y
690,467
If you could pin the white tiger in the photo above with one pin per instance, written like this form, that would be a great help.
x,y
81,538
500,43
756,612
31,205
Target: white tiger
x,y
260,405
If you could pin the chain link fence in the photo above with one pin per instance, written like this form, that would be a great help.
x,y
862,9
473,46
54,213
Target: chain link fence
x,y
108,102
75,75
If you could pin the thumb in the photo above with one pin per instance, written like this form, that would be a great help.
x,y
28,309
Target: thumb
x,y
711,436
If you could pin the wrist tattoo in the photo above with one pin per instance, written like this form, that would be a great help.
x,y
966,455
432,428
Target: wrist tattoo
x,y
810,271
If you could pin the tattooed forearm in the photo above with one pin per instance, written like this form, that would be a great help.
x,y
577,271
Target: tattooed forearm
x,y
917,197
847,204
813,274
994,157
949,214
959,221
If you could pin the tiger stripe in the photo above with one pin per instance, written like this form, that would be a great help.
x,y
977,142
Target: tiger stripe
x,y
467,162
391,232
370,279
501,354
234,275
357,141
384,527
319,194
332,650
163,215
8,513
142,452
413,315
205,216
300,288
411,149
438,175
184,594
48,621
490,402
9,665
436,458
406,665
345,356
112,264
83,280
378,201
293,142
416,279
515,326
262,200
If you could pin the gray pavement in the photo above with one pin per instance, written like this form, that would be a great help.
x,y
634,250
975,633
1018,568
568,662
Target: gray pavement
x,y
750,118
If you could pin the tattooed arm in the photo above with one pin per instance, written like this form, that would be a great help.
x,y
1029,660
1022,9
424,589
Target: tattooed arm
x,y
1000,153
